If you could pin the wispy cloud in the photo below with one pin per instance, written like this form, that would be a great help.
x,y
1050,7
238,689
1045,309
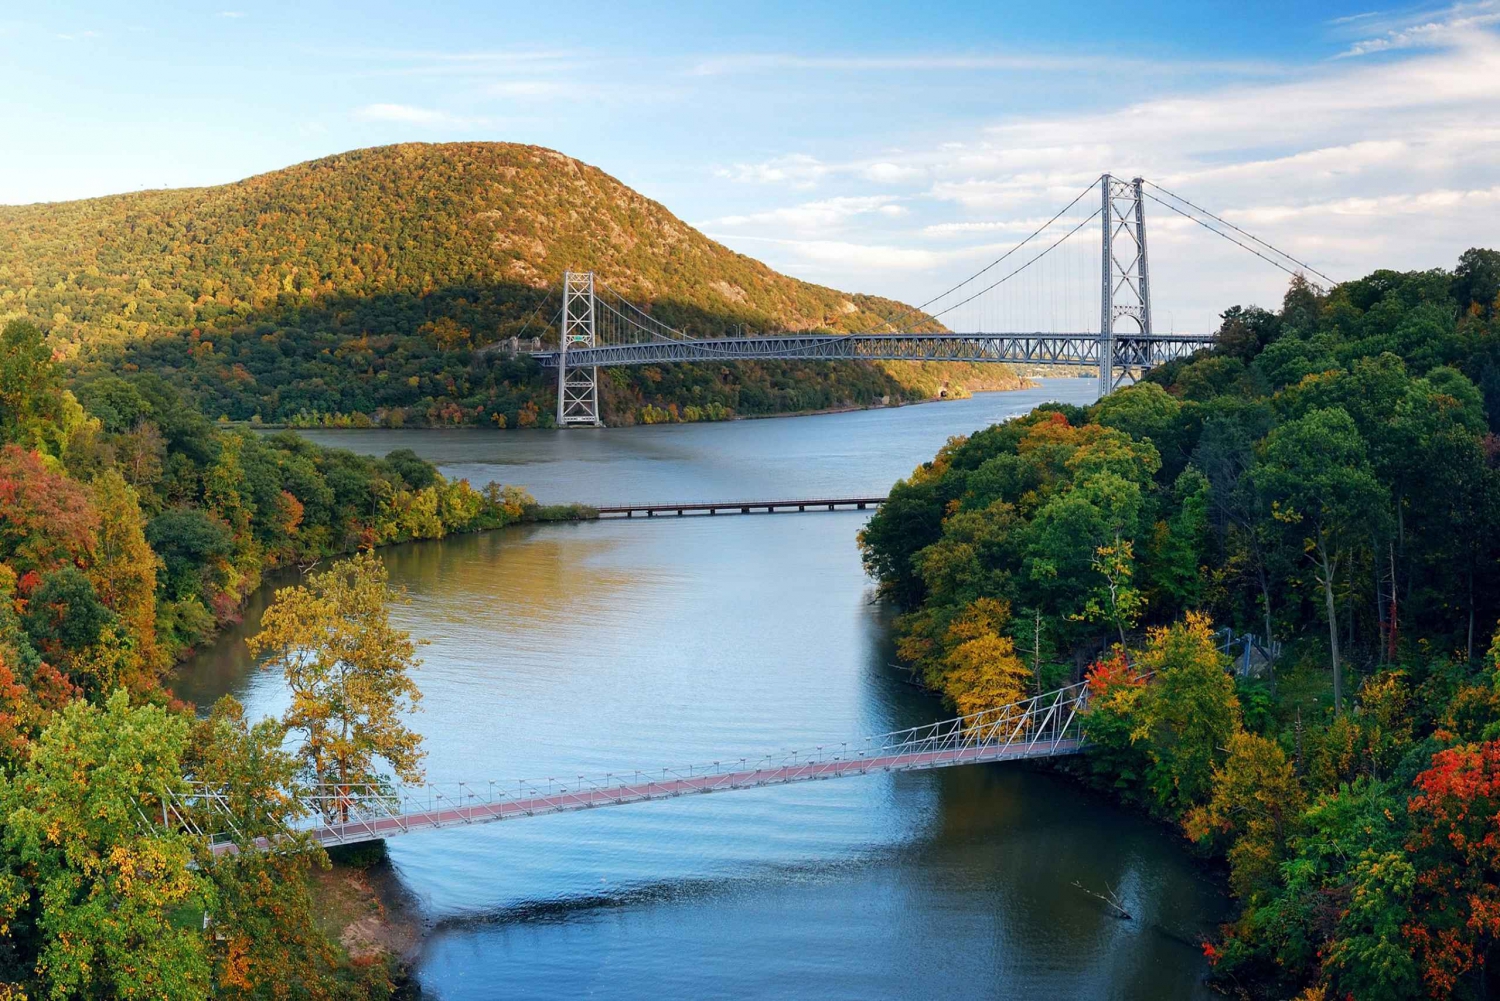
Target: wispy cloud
x,y
231,13
409,115
941,62
77,36
1421,29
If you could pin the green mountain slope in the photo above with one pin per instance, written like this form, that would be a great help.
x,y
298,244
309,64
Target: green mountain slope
x,y
362,284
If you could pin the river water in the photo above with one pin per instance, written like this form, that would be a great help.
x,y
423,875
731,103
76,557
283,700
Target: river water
x,y
580,649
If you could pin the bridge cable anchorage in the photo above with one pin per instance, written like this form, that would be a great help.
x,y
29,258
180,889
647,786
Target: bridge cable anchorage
x,y
1301,264
1044,725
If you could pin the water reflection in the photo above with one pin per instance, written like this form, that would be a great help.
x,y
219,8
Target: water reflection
x,y
562,650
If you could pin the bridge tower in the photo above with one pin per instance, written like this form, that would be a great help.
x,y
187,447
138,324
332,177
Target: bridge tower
x,y
1126,287
577,388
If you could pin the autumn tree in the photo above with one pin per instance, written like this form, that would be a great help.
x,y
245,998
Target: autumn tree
x,y
348,670
981,667
1190,713
110,912
1455,839
1255,804
266,942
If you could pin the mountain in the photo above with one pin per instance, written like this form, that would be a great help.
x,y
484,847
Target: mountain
x,y
360,286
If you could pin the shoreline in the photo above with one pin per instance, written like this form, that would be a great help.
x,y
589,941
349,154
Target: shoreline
x,y
1027,382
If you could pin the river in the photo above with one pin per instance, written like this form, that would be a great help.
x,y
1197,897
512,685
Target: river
x,y
567,649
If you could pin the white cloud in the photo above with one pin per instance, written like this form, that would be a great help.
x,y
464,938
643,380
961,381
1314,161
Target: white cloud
x,y
820,215
75,36
408,115
886,172
798,169
231,13
1350,165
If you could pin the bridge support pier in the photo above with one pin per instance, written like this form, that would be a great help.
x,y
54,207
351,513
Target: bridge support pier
x,y
577,388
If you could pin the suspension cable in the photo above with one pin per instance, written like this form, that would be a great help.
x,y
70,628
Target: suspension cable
x,y
1301,264
1237,243
1088,219
651,321
1035,233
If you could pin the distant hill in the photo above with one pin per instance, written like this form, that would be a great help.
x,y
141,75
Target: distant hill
x,y
358,287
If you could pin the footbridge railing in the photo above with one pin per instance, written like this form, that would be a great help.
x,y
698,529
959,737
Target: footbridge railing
x,y
1044,725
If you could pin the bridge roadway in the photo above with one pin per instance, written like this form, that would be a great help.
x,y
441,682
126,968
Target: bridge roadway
x,y
738,507
640,790
1076,349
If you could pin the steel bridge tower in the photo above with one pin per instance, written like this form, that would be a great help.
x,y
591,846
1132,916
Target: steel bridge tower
x,y
577,388
1126,287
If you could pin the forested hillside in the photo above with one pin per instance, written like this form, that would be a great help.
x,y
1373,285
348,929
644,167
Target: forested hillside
x,y
358,288
1328,478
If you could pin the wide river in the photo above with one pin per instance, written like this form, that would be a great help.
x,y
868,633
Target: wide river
x,y
579,649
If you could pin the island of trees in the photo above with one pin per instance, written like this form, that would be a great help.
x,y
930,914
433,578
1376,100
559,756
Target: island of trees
x,y
1326,480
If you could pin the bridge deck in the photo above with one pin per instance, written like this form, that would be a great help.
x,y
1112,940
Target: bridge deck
x,y
738,507
642,789
1076,349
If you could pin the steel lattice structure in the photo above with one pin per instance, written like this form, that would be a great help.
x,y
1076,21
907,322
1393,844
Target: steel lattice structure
x,y
1135,353
1044,725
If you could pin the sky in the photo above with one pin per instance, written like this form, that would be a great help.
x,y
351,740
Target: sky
x,y
890,148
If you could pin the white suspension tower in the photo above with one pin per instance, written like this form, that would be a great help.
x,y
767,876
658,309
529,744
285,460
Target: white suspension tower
x,y
577,388
1126,287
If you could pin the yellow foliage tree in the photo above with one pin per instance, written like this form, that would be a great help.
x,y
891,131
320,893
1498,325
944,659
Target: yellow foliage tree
x,y
348,670
981,669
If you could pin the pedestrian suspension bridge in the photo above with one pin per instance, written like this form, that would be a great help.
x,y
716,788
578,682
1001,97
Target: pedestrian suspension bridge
x,y
1043,726
1073,302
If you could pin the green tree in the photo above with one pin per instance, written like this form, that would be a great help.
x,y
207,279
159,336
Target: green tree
x,y
1316,472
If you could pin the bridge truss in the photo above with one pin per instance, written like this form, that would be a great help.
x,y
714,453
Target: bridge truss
x,y
1043,726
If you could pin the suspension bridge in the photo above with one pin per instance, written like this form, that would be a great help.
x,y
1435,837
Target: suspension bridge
x,y
1073,303
1043,726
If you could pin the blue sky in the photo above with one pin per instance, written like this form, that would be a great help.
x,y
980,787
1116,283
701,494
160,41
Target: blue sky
x,y
881,147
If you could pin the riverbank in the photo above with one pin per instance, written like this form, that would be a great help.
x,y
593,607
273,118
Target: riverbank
x,y
946,391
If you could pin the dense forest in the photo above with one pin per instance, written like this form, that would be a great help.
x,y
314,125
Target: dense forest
x,y
371,287
1327,479
131,527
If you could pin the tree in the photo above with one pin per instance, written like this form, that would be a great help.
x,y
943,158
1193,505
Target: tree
x,y
1316,472
45,518
266,942
1476,280
109,911
1190,711
124,570
1254,807
1115,600
64,614
192,545
1456,841
349,674
982,671
31,393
